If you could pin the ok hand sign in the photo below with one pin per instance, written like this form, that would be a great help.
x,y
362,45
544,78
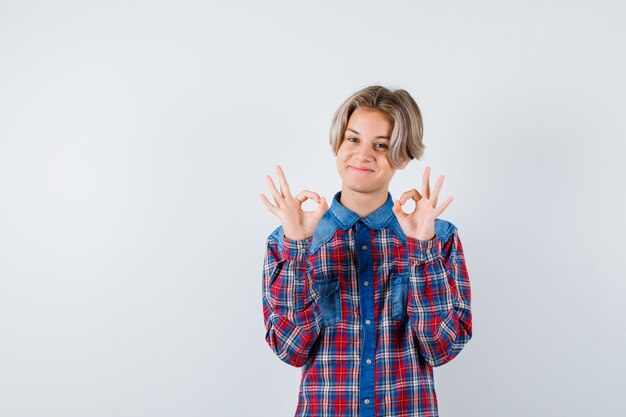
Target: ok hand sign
x,y
297,224
420,224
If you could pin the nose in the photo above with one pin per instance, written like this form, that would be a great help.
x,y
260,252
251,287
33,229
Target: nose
x,y
364,153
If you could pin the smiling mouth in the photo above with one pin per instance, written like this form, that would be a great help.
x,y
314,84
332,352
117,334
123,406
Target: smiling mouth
x,y
361,169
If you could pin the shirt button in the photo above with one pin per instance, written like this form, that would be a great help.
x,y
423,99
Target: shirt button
x,y
368,321
364,247
368,361
366,401
366,283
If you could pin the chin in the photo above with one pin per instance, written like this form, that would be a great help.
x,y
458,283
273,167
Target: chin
x,y
360,188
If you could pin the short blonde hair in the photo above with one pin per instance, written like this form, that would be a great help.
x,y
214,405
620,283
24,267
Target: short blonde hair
x,y
402,111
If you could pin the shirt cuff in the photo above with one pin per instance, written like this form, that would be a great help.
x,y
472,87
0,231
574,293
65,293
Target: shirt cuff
x,y
423,251
297,250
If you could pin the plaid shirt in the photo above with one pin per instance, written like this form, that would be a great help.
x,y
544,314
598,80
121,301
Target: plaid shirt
x,y
367,312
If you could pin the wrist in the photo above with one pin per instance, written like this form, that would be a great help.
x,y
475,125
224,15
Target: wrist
x,y
423,234
292,234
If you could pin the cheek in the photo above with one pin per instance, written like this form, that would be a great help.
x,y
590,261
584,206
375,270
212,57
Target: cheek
x,y
343,153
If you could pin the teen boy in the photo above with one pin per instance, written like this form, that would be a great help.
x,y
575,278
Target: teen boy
x,y
366,298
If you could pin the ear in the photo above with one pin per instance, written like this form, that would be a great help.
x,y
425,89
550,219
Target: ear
x,y
404,163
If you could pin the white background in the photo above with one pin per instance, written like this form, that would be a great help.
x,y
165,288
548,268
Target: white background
x,y
134,139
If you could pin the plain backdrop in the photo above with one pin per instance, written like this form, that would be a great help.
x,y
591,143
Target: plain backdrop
x,y
134,141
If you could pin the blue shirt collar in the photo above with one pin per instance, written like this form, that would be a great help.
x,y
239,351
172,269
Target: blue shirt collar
x,y
346,218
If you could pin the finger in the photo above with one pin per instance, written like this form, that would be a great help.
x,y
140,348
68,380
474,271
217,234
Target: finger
x,y
284,187
278,198
321,209
414,194
443,206
435,195
397,209
306,194
268,204
426,182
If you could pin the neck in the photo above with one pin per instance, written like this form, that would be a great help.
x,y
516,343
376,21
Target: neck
x,y
362,204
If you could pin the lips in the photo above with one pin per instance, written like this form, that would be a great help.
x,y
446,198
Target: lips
x,y
361,169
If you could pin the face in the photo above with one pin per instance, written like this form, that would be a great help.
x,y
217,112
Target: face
x,y
362,158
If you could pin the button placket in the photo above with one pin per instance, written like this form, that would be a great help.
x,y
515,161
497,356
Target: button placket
x,y
366,298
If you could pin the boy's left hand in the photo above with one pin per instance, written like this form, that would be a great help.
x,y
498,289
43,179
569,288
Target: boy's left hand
x,y
420,224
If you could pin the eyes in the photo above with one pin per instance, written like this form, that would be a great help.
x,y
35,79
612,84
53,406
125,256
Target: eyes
x,y
377,145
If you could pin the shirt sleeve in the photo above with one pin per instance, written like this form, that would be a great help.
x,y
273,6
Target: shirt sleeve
x,y
292,316
439,297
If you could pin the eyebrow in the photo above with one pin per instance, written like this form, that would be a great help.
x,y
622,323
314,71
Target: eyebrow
x,y
377,137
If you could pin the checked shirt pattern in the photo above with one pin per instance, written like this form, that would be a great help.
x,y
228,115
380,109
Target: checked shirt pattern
x,y
366,312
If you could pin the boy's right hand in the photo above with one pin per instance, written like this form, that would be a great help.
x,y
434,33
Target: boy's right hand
x,y
297,224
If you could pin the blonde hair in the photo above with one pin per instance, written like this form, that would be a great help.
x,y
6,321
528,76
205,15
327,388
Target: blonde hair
x,y
402,111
